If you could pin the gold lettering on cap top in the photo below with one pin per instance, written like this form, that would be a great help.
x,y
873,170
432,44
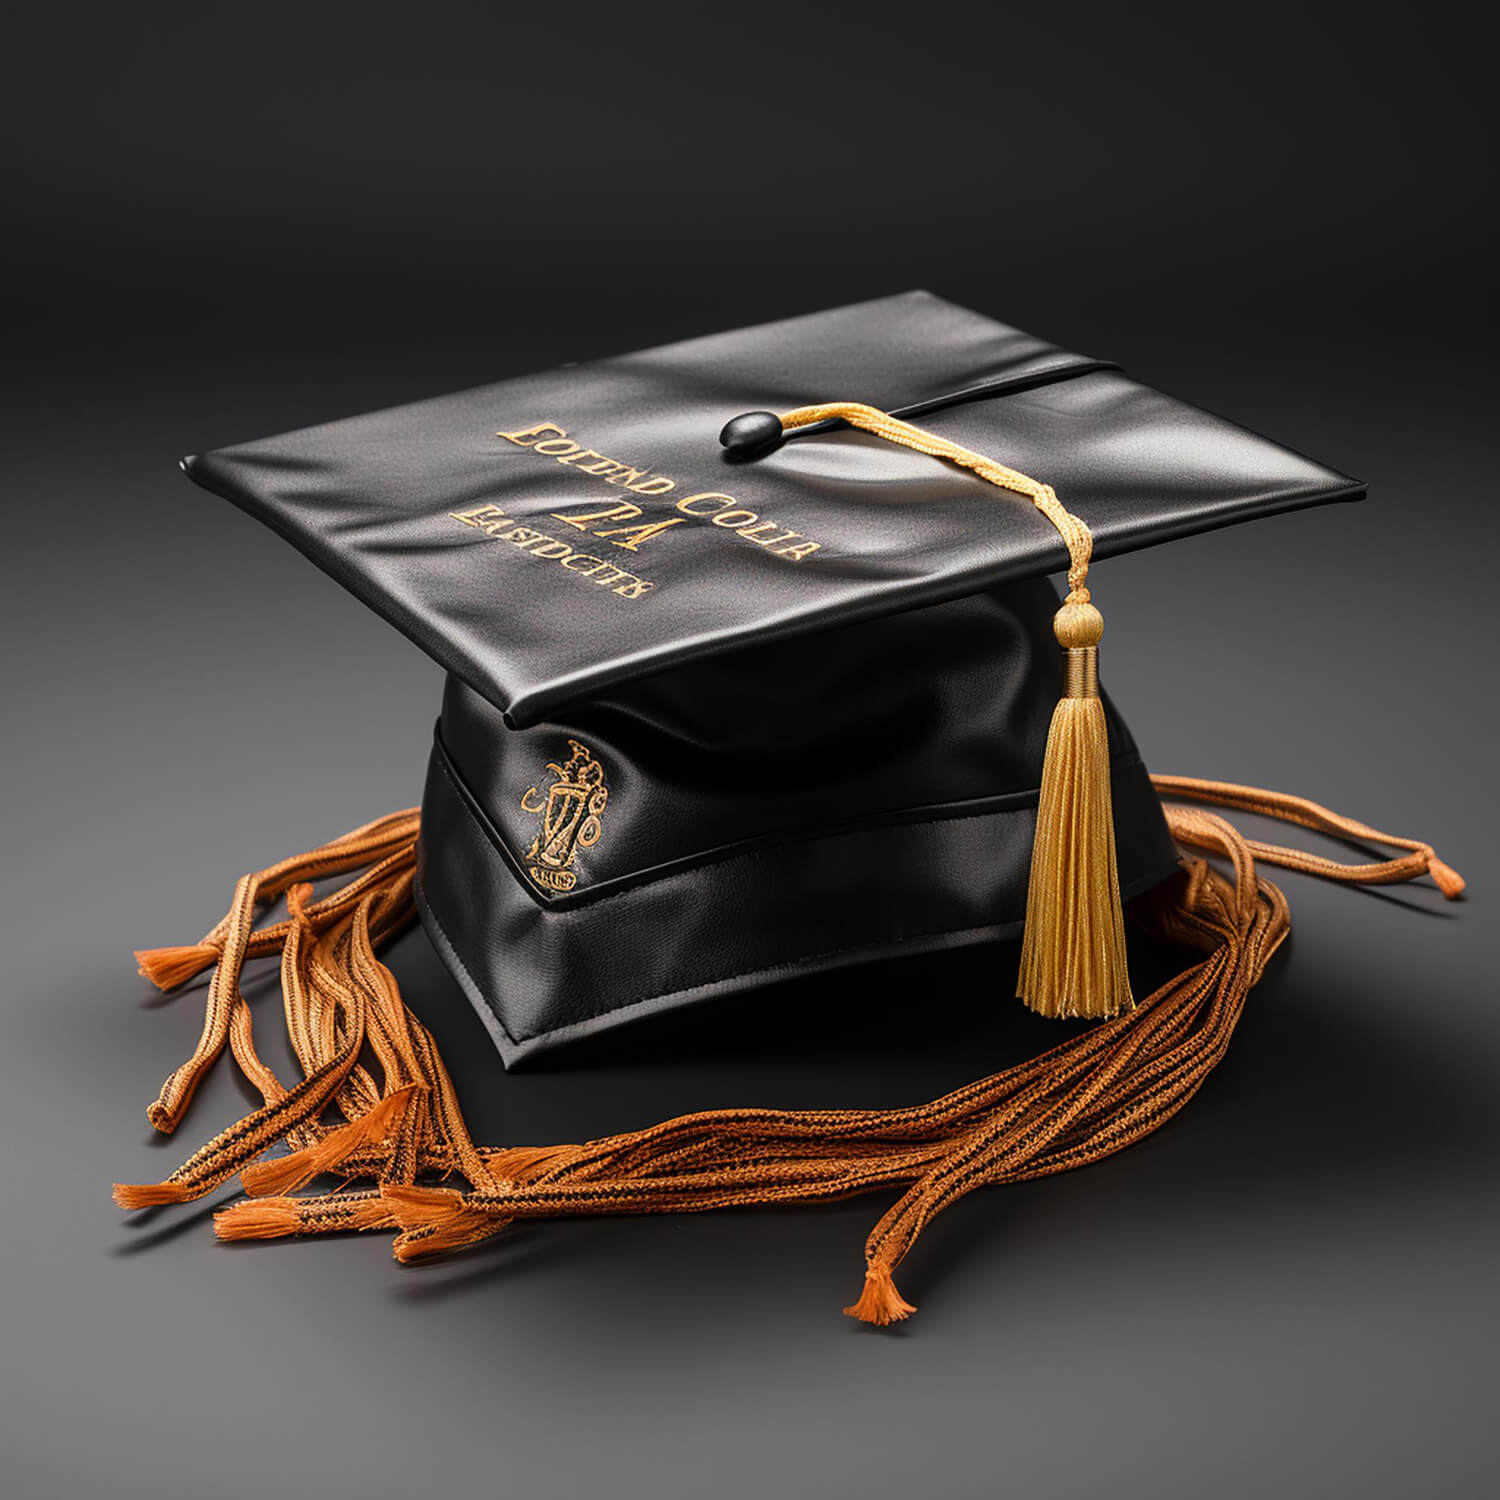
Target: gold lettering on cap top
x,y
569,817
551,441
495,524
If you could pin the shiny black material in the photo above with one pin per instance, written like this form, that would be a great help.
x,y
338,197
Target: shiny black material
x,y
753,433
370,499
784,809
709,723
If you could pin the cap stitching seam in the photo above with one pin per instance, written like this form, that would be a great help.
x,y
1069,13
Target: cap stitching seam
x,y
466,801
789,965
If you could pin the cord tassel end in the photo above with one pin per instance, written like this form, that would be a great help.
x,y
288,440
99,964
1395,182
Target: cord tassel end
x,y
1073,953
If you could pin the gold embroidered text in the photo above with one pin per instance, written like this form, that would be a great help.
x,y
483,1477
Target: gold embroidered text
x,y
599,571
724,511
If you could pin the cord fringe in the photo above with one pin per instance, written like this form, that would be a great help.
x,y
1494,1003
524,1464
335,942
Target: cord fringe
x,y
285,1174
275,1218
169,968
366,1056
880,1303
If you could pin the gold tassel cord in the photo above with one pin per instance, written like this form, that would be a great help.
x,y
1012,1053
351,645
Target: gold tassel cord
x,y
1073,953
377,1108
1073,949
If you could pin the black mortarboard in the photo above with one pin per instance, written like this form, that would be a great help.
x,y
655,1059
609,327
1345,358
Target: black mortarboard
x,y
751,672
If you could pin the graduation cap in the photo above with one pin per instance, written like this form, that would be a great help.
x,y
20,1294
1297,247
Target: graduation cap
x,y
754,669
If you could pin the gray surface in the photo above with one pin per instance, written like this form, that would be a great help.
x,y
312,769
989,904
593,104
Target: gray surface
x,y
1291,1285
226,228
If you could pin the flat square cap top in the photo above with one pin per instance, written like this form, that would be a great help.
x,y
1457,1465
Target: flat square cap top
x,y
548,537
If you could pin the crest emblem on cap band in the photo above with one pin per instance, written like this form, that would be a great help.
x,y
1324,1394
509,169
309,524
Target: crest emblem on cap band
x,y
569,817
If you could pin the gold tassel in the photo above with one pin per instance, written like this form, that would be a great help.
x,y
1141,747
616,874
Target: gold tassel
x,y
1073,958
1073,953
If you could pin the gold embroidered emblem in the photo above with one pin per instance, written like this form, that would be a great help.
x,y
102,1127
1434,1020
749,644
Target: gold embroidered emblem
x,y
570,817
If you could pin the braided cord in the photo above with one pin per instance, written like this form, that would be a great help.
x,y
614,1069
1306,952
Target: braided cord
x,y
1076,536
366,1055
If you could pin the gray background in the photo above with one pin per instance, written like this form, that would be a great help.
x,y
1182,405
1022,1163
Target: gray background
x,y
227,225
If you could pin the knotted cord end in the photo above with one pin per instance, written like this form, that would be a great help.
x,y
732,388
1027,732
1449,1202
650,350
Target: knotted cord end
x,y
522,1163
167,968
135,1195
435,1221
283,1174
276,1218
880,1303
259,1219
1445,877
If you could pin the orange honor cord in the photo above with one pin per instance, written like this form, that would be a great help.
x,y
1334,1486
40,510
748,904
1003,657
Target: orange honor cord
x,y
376,1105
